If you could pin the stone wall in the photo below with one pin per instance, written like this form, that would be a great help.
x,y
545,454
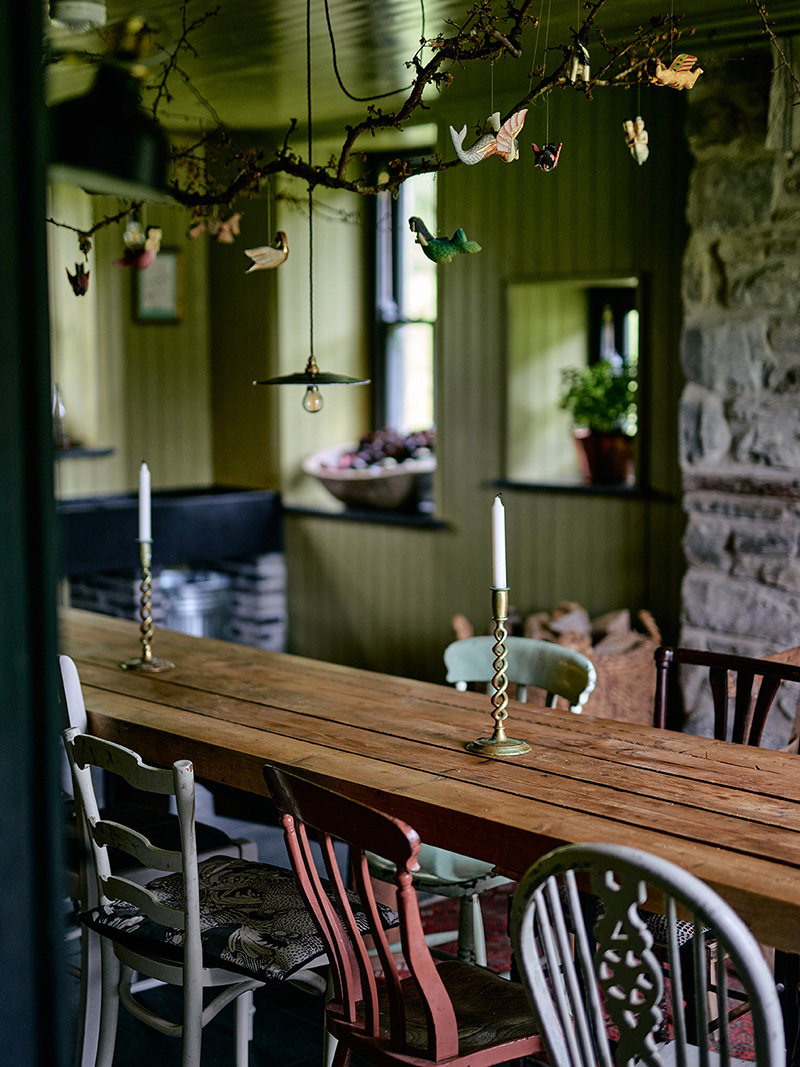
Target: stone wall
x,y
740,410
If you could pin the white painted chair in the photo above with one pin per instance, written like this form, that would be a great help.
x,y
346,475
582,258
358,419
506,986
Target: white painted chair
x,y
225,922
560,672
162,828
595,984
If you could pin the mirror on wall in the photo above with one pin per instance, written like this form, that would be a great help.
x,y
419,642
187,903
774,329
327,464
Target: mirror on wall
x,y
589,327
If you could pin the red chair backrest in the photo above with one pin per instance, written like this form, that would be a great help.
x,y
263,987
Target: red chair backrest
x,y
304,804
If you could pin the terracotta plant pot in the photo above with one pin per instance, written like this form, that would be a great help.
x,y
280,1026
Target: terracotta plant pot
x,y
605,458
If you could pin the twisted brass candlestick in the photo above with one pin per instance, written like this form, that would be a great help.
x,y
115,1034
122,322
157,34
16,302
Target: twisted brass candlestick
x,y
146,662
499,744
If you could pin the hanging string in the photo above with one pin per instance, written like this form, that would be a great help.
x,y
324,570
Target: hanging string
x,y
491,85
535,45
310,190
547,98
377,96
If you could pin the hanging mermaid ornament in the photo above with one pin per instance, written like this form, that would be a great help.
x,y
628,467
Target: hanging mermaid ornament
x,y
497,140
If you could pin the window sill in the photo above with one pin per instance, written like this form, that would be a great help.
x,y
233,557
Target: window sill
x,y
80,452
627,492
414,519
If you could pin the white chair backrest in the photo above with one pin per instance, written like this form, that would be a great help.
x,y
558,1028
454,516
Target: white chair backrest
x,y
86,752
74,707
587,961
559,671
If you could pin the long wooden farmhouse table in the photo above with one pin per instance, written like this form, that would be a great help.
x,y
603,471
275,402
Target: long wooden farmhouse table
x,y
728,813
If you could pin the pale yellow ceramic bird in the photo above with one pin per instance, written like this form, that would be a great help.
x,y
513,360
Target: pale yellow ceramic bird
x,y
269,255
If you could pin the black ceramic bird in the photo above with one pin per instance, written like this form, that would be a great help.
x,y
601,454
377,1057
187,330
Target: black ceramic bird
x,y
546,157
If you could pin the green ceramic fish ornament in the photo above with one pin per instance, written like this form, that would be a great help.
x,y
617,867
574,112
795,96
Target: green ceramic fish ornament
x,y
441,249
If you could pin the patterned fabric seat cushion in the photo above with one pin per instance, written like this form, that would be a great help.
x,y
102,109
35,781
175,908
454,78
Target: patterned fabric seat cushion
x,y
253,920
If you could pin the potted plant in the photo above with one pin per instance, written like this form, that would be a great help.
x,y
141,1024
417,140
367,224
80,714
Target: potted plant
x,y
601,398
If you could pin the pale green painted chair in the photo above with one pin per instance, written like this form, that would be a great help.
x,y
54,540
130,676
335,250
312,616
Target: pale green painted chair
x,y
542,665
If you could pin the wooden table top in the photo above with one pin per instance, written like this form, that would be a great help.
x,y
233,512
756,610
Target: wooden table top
x,y
729,813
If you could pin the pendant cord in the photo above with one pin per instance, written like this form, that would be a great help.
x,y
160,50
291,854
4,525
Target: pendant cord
x,y
310,191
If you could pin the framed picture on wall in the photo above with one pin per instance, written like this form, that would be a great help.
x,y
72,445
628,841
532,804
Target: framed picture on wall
x,y
158,289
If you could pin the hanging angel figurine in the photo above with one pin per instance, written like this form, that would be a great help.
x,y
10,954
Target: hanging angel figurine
x,y
578,62
497,141
213,225
679,74
637,138
268,256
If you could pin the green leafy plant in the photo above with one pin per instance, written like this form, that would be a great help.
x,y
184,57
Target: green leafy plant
x,y
600,397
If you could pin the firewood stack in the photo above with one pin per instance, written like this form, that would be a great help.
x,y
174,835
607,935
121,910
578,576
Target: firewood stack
x,y
622,655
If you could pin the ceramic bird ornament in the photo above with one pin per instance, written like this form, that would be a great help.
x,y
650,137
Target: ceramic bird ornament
x,y
637,138
441,249
679,74
269,255
547,156
142,257
79,280
224,231
499,140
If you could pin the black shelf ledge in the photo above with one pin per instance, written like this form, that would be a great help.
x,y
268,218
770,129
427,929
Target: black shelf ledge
x,y
414,519
627,492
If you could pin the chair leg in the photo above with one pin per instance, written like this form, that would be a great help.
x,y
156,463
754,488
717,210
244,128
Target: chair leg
x,y
243,1027
88,1029
109,1005
471,935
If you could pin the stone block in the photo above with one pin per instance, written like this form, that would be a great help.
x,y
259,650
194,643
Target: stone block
x,y
781,574
705,436
764,542
705,544
733,505
716,602
730,193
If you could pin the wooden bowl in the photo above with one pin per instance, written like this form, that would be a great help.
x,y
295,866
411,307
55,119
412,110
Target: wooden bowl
x,y
377,487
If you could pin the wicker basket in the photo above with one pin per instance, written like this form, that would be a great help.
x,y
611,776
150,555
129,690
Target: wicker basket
x,y
626,681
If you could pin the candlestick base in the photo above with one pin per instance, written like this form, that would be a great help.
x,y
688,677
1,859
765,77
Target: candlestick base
x,y
489,746
151,666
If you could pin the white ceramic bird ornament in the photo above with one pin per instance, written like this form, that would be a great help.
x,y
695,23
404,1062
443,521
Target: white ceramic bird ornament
x,y
498,141
269,255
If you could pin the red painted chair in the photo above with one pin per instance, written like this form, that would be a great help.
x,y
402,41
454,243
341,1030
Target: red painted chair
x,y
446,1011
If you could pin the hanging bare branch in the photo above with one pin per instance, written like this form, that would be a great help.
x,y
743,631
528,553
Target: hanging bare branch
x,y
483,35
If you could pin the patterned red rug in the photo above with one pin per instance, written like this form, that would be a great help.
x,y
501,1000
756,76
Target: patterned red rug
x,y
441,913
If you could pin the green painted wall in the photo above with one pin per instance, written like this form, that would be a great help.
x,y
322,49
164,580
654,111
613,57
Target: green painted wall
x,y
384,597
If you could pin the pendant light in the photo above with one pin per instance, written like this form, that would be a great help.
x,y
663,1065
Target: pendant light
x,y
312,377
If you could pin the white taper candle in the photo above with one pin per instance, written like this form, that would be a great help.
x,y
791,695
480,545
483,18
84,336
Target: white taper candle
x,y
145,533
498,544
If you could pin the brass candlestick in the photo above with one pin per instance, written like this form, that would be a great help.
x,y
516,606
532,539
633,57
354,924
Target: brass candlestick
x,y
499,744
146,662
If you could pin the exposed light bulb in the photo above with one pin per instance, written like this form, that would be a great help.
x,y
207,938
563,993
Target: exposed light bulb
x,y
312,401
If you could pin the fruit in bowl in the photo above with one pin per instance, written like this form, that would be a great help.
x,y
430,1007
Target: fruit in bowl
x,y
384,471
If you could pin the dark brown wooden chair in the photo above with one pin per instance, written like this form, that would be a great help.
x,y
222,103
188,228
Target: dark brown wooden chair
x,y
446,1010
750,685
754,682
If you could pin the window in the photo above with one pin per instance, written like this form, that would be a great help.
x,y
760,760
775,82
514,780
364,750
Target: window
x,y
405,309
553,325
